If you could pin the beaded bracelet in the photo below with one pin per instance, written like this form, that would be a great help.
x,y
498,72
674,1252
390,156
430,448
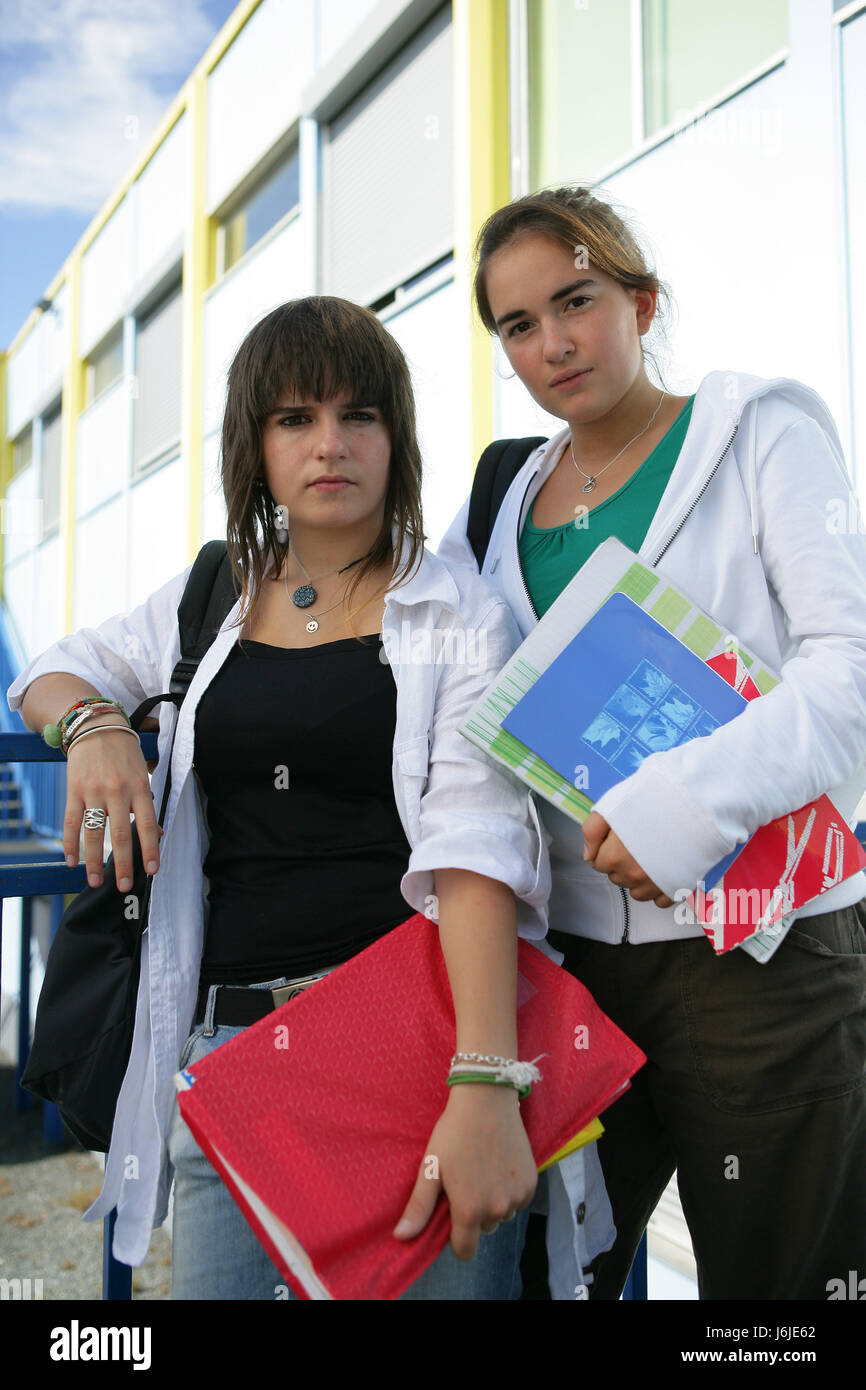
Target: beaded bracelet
x,y
58,735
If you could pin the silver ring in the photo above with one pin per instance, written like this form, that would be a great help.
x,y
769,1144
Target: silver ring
x,y
94,818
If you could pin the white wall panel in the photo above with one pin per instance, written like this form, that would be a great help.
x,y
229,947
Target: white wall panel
x,y
254,91
426,332
158,534
723,206
102,461
35,371
853,39
22,514
19,595
101,566
213,510
280,271
338,21
107,268
46,619
161,200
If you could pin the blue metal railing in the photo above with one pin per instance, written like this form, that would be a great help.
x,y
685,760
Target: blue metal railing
x,y
32,865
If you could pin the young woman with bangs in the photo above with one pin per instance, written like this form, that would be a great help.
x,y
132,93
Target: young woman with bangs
x,y
754,1087
257,887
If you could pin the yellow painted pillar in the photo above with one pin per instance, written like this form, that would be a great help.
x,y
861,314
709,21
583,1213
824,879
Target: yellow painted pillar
x,y
197,272
72,404
482,174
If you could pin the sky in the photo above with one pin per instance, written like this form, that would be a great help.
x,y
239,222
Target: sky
x,y
83,85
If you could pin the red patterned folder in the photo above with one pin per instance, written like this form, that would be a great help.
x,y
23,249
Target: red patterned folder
x,y
784,864
317,1116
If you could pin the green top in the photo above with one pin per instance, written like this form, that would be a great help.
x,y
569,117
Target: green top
x,y
551,556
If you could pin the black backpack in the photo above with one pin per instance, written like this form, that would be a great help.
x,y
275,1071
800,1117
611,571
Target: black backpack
x,y
86,1011
497,468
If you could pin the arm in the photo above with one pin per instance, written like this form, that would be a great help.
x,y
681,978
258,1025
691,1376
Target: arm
x,y
803,737
484,1160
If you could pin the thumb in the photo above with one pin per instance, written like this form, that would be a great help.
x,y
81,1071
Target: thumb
x,y
420,1206
595,830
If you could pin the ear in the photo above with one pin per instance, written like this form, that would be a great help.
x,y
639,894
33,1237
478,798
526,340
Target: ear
x,y
645,308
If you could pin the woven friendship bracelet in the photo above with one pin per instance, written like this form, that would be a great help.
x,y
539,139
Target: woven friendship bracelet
x,y
59,735
490,1078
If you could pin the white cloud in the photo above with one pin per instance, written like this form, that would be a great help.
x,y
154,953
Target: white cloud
x,y
86,86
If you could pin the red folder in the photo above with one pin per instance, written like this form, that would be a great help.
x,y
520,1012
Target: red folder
x,y
317,1116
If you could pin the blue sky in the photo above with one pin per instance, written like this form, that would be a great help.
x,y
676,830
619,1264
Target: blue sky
x,y
72,74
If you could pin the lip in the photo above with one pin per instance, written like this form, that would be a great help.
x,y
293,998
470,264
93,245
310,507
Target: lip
x,y
329,483
569,378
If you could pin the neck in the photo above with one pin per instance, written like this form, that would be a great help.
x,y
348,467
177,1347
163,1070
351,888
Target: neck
x,y
321,551
597,440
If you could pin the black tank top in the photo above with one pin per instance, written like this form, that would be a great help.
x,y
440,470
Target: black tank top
x,y
293,748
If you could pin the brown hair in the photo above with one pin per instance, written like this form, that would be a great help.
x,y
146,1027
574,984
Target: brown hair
x,y
315,348
577,219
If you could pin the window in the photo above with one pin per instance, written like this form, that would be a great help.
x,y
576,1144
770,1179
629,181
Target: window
x,y
22,451
157,381
262,209
586,112
693,49
388,169
105,366
52,438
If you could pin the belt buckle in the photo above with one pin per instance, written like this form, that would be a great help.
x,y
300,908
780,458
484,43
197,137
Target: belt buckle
x,y
286,992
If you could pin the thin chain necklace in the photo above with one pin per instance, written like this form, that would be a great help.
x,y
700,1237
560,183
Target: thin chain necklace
x,y
591,479
313,625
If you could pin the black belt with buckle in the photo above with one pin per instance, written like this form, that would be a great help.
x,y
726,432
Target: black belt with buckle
x,y
235,1006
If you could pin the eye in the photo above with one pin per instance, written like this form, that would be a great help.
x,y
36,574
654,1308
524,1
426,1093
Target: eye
x,y
296,419
513,330
365,416
578,299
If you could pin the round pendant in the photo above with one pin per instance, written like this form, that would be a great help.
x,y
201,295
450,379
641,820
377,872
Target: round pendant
x,y
587,487
312,625
304,596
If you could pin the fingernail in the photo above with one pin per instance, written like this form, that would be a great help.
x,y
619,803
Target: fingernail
x,y
71,861
124,885
403,1228
93,880
152,866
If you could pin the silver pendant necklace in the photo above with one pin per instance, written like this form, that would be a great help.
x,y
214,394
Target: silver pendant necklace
x,y
591,479
307,589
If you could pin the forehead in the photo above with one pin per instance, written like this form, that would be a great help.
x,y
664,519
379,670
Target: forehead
x,y
533,267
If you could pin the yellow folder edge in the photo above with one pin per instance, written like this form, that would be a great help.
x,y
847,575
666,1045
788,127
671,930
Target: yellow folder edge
x,y
594,1130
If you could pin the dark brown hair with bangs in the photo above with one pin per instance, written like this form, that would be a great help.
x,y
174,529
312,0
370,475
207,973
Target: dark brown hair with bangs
x,y
313,349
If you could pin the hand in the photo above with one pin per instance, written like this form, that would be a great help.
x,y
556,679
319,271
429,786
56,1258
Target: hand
x,y
606,852
109,771
483,1162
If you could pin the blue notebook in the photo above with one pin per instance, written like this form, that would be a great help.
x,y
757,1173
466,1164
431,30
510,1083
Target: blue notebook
x,y
623,688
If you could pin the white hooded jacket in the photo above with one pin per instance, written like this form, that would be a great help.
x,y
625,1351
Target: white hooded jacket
x,y
759,527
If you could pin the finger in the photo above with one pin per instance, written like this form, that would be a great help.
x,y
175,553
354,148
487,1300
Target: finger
x,y
663,900
72,829
595,828
94,843
148,829
121,840
465,1235
420,1206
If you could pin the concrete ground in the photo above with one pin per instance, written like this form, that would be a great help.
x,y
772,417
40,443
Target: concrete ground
x,y
43,1193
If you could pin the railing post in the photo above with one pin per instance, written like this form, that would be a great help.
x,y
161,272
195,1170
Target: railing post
x,y
23,1098
116,1277
636,1283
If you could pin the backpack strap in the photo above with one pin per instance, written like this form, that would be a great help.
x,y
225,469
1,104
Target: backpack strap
x,y
208,597
497,468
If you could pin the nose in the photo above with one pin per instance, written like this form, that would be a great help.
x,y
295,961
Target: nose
x,y
555,344
329,441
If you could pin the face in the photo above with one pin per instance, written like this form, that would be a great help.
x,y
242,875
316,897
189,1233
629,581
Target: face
x,y
571,335
328,462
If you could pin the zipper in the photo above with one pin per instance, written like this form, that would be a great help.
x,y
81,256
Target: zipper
x,y
625,935
674,535
517,543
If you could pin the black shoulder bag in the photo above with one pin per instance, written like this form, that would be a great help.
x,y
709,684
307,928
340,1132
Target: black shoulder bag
x,y
86,1011
497,468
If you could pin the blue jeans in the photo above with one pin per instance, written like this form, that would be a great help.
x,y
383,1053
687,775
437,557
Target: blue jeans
x,y
216,1255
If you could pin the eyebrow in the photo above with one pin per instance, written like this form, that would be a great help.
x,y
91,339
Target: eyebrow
x,y
559,294
348,405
